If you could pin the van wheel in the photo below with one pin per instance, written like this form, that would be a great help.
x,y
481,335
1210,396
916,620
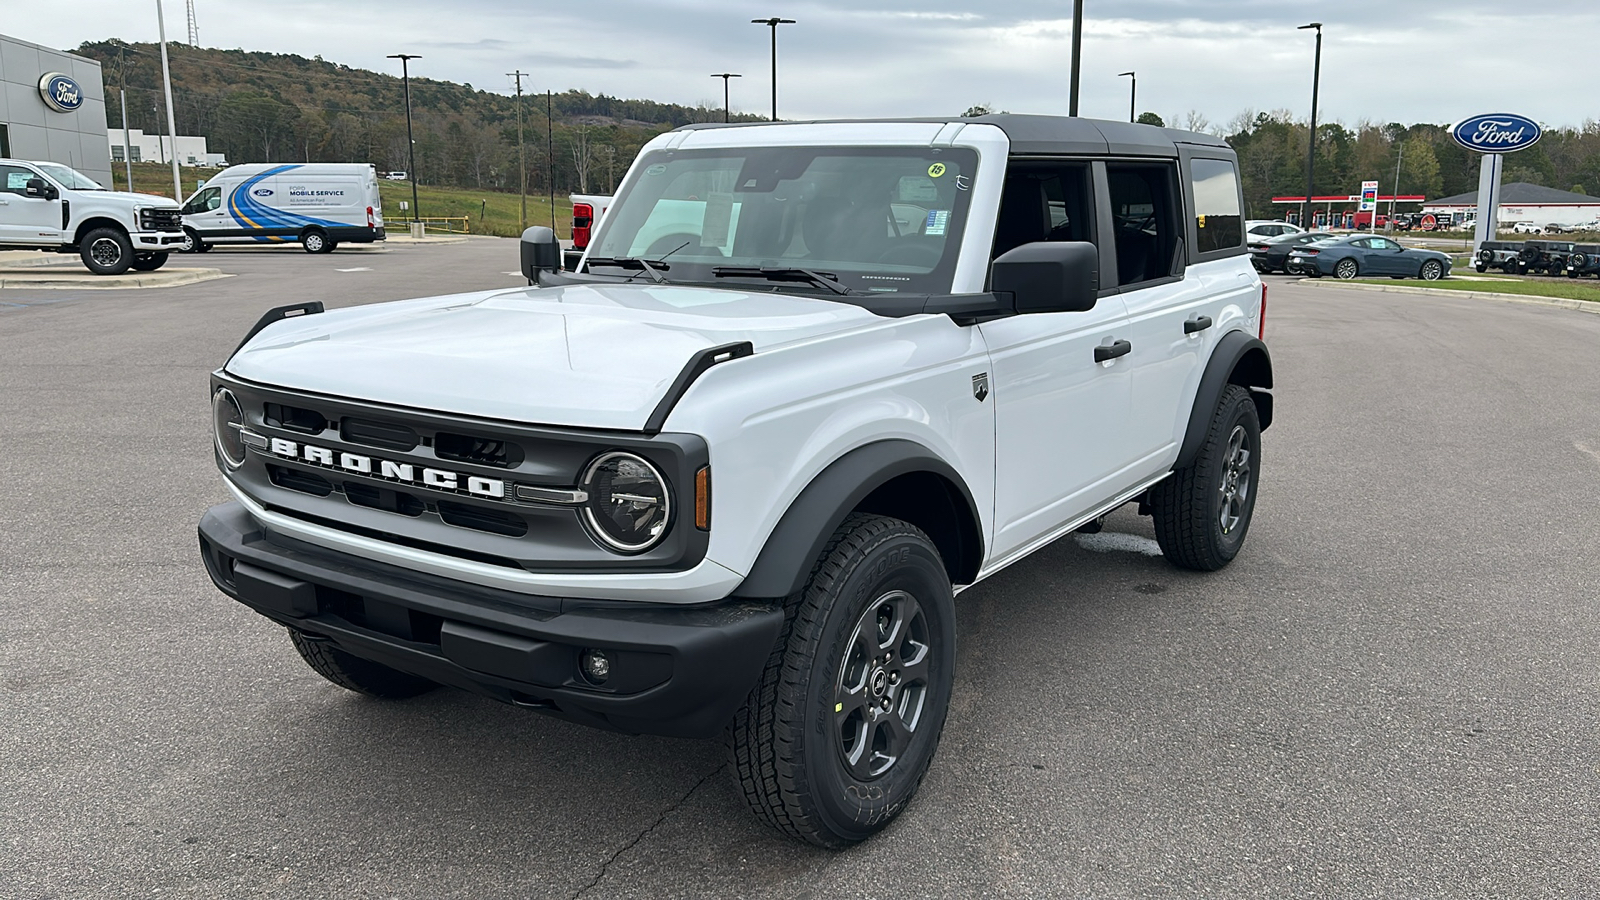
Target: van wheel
x,y
192,243
149,262
106,251
836,737
356,674
316,241
1202,512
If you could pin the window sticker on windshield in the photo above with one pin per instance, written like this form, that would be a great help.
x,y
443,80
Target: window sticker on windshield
x,y
917,189
938,220
17,181
936,170
657,169
714,226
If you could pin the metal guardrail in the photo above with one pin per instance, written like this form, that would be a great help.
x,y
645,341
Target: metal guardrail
x,y
446,224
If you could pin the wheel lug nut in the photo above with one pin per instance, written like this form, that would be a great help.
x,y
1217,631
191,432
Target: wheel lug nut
x,y
894,677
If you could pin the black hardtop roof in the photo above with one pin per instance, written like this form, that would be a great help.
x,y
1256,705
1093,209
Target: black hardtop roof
x,y
1044,135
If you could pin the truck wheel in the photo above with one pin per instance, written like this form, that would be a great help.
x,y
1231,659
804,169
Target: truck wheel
x,y
106,251
1432,270
1346,269
356,674
149,262
1202,512
836,737
316,241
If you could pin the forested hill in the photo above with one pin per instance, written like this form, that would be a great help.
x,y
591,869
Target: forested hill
x,y
274,107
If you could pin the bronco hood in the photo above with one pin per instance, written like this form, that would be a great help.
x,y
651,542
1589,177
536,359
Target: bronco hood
x,y
588,356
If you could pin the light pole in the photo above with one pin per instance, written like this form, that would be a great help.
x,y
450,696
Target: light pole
x,y
522,155
1133,92
1077,51
773,23
726,109
411,144
172,123
1311,144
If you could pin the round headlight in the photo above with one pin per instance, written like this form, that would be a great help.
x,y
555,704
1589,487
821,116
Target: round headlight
x,y
227,422
628,507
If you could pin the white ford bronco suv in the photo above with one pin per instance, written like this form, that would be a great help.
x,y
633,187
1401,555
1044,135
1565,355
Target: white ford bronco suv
x,y
48,206
808,381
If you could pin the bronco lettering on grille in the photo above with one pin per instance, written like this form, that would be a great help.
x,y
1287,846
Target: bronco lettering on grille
x,y
404,473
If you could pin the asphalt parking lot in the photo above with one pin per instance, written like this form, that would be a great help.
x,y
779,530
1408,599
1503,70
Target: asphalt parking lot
x,y
1391,693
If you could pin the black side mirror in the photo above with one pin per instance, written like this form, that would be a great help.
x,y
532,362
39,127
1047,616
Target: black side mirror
x,y
38,187
541,252
1049,276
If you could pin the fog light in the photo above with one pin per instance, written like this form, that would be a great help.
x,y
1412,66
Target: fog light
x,y
595,665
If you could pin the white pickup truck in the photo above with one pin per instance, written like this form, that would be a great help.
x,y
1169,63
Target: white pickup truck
x,y
587,211
48,206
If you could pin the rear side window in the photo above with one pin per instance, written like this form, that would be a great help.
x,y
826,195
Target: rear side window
x,y
1219,224
1144,210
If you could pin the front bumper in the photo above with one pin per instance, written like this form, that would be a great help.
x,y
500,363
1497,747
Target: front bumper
x,y
156,240
676,671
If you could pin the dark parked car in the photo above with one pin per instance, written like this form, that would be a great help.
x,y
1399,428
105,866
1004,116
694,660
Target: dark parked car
x,y
1502,255
1356,255
1272,254
1548,257
1583,260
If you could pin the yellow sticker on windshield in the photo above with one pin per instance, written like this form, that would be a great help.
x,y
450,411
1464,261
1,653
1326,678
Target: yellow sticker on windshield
x,y
936,170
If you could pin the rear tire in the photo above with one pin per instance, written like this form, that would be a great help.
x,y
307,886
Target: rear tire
x,y
106,251
1202,512
356,674
835,739
1346,269
316,241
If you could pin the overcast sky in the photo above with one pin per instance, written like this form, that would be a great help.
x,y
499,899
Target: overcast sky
x,y
1383,60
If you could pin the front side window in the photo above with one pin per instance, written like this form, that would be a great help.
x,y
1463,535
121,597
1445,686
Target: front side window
x,y
14,179
1144,211
71,179
876,219
205,201
1217,218
1043,201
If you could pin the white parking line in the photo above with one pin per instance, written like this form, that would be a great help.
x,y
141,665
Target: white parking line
x,y
356,269
1108,541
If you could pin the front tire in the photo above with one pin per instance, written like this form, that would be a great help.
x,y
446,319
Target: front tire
x,y
1346,269
837,736
1203,511
149,262
106,251
356,674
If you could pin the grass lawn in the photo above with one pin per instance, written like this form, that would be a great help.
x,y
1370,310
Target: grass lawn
x,y
488,212
1567,290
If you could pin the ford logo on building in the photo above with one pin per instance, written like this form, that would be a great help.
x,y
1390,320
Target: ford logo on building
x,y
1496,133
262,192
60,92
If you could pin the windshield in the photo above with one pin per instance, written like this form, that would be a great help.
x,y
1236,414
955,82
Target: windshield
x,y
70,179
875,219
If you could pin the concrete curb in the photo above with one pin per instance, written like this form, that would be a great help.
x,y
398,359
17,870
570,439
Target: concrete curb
x,y
79,281
1588,306
27,259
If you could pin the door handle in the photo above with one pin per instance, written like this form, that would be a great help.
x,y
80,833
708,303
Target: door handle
x,y
1108,352
1198,323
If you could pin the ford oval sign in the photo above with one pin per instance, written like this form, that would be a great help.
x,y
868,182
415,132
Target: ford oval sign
x,y
262,192
60,92
1498,133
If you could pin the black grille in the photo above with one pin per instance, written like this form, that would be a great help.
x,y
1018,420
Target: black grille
x,y
378,434
383,498
293,418
481,450
161,220
492,521
296,480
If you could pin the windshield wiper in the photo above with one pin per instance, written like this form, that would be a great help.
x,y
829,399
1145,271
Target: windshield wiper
x,y
651,268
826,280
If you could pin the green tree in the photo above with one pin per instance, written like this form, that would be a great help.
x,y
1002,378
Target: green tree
x,y
1150,118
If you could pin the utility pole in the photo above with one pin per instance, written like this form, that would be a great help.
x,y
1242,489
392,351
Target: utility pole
x,y
411,143
726,109
1396,195
550,150
1077,53
1311,144
127,145
166,84
773,23
522,155
1133,92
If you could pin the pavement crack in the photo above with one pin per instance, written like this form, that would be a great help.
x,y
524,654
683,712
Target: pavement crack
x,y
606,866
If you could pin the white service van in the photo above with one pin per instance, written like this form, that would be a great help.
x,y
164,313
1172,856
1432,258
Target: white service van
x,y
321,205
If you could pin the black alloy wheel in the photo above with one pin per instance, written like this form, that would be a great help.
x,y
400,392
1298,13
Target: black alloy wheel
x,y
1202,512
106,251
883,685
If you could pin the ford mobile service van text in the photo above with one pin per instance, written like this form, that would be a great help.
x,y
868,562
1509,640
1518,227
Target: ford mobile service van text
x,y
725,478
321,205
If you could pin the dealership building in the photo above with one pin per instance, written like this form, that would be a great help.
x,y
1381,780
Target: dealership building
x,y
53,107
1523,202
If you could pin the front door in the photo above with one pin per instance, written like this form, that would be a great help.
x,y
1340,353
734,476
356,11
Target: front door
x,y
25,220
204,212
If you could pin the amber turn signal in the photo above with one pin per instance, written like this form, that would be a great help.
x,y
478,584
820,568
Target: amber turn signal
x,y
702,498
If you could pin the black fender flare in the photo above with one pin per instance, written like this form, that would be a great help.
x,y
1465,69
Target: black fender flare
x,y
1238,359
792,549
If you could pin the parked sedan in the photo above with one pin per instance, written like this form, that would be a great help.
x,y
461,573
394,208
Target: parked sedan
x,y
1356,255
1261,229
1272,254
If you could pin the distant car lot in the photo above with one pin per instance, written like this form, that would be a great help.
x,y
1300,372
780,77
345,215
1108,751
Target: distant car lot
x,y
1390,694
